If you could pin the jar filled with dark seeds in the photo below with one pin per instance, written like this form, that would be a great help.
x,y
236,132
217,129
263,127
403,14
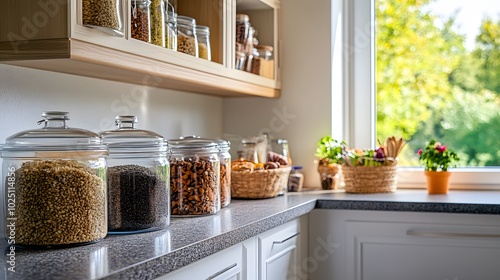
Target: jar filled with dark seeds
x,y
138,178
104,15
187,41
139,20
194,177
225,172
54,186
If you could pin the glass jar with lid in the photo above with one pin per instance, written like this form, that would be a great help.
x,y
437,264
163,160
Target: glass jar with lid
x,y
55,185
225,172
139,20
253,62
157,22
138,178
105,15
242,28
194,177
203,35
170,28
187,41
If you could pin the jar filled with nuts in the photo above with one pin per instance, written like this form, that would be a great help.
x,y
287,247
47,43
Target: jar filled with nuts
x,y
55,185
203,35
194,177
225,172
104,15
187,41
139,20
138,178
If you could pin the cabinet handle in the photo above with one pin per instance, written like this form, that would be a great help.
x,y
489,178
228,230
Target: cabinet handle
x,y
213,276
450,234
285,240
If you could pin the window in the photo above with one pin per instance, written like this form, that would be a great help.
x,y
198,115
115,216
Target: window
x,y
360,77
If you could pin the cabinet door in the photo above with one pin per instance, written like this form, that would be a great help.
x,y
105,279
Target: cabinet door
x,y
278,252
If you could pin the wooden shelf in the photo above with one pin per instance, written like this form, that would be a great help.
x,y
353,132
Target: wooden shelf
x,y
75,49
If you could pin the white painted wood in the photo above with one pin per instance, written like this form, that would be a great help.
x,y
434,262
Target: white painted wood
x,y
401,245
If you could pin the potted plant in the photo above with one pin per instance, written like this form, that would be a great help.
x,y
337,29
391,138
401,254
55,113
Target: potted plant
x,y
437,158
329,152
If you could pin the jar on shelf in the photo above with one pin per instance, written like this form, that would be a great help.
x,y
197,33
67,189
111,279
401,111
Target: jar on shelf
x,y
105,15
253,62
242,28
266,61
225,172
55,185
139,20
170,28
194,177
203,35
187,41
240,59
295,179
157,22
137,178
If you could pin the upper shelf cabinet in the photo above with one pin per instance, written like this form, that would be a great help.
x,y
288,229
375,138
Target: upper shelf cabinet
x,y
50,35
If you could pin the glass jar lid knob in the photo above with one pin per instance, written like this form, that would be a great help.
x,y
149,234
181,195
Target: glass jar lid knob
x,y
125,121
54,119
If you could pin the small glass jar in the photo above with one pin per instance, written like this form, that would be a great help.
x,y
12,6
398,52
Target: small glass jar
x,y
139,20
138,178
296,179
157,22
253,62
55,185
225,172
170,28
194,177
242,28
265,52
240,60
187,41
203,35
105,15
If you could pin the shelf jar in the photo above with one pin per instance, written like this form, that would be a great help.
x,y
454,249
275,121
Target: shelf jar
x,y
170,28
104,15
187,41
139,20
194,177
203,35
55,185
138,178
225,172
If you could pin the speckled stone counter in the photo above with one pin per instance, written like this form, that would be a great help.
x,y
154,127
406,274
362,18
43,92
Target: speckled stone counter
x,y
150,255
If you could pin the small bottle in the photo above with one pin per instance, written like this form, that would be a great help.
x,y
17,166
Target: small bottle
x,y
253,62
242,28
170,28
203,35
187,41
296,179
139,20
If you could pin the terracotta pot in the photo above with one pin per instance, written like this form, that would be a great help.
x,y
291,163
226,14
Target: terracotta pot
x,y
438,182
329,175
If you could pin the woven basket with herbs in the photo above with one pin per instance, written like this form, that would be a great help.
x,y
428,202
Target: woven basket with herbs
x,y
259,180
372,171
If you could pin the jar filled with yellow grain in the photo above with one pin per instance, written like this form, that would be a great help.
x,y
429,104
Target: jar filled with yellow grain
x,y
157,22
203,35
187,41
170,28
55,185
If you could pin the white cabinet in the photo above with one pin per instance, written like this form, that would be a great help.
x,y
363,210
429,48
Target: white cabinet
x,y
273,255
382,245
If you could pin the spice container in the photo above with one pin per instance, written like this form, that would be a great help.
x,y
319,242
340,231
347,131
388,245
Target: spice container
x,y
225,172
138,178
104,15
157,22
203,35
194,177
187,42
55,189
139,20
170,28
295,179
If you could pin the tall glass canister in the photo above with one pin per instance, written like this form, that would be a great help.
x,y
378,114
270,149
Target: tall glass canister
x,y
170,28
187,41
157,22
54,191
225,172
139,20
203,36
138,178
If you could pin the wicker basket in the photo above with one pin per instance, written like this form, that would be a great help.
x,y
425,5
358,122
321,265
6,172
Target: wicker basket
x,y
370,179
259,183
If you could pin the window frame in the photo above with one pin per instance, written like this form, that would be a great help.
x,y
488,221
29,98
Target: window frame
x,y
356,99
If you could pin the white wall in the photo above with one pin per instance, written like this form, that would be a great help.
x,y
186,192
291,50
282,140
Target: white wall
x,y
93,104
303,114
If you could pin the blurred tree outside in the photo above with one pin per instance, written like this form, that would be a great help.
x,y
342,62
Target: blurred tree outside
x,y
430,86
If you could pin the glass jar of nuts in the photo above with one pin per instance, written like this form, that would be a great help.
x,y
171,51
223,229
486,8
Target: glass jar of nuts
x,y
187,42
139,20
225,172
104,15
55,185
194,177
137,178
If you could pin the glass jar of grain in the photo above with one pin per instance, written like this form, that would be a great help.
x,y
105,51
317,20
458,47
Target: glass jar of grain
x,y
137,177
157,22
203,35
170,28
187,41
104,15
139,20
55,185
194,177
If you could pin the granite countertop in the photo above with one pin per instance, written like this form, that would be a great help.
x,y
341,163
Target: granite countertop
x,y
150,255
